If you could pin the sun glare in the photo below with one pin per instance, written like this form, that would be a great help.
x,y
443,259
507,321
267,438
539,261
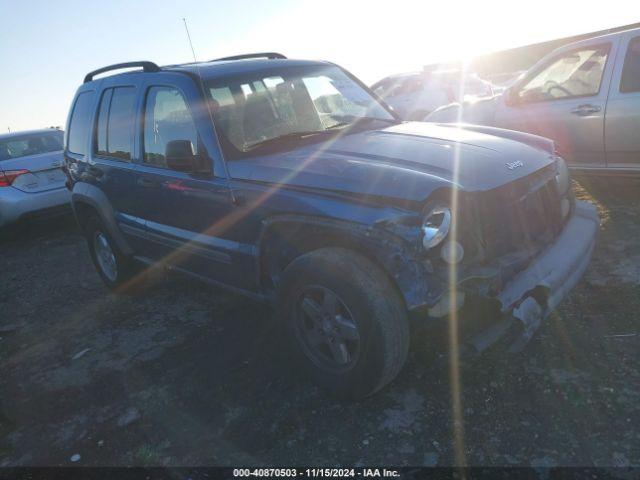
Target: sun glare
x,y
376,39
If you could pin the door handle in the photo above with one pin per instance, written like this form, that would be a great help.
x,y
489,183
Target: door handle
x,y
146,182
586,109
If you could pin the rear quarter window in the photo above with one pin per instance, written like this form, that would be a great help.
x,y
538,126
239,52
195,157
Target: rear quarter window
x,y
80,123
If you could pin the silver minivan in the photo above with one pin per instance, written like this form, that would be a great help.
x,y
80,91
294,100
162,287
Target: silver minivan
x,y
585,96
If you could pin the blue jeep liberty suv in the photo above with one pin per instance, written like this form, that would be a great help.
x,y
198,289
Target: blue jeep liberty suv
x,y
289,181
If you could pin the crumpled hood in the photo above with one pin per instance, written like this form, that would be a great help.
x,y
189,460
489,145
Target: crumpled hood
x,y
407,160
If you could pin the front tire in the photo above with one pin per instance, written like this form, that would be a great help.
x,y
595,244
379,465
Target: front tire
x,y
345,321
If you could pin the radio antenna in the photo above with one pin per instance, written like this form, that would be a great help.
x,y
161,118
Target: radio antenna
x,y
189,37
232,194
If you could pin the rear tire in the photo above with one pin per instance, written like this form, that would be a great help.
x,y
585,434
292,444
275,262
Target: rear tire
x,y
115,269
345,321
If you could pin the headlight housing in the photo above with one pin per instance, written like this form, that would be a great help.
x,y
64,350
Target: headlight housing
x,y
435,225
563,180
563,184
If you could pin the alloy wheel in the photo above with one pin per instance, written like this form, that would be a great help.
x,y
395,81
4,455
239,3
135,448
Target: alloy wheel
x,y
326,329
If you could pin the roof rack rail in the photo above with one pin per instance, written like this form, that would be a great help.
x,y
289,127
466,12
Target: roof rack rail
x,y
146,67
269,55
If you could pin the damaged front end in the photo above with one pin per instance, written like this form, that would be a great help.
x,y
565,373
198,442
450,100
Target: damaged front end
x,y
529,296
520,250
536,291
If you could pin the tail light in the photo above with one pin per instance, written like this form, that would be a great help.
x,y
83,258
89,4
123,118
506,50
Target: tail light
x,y
8,177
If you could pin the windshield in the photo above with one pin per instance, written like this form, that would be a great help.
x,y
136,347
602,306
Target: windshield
x,y
258,110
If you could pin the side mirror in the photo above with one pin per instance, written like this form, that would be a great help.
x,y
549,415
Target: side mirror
x,y
180,156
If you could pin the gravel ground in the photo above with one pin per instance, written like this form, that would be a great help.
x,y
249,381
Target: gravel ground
x,y
187,375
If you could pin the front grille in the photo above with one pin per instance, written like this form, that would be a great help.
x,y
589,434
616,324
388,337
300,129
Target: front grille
x,y
522,215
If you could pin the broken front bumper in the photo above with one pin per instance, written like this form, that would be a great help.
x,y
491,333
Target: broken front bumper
x,y
536,291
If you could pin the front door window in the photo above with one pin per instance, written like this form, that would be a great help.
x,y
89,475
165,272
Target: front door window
x,y
167,117
574,74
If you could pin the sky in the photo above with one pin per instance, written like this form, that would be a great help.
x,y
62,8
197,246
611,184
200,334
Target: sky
x,y
46,48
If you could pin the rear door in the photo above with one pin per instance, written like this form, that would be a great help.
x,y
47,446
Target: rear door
x,y
40,154
564,99
622,119
112,168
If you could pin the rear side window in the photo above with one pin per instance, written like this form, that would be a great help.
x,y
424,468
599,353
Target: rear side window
x,y
166,118
630,81
114,129
79,124
30,145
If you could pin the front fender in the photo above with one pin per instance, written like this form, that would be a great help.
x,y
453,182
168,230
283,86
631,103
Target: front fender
x,y
395,255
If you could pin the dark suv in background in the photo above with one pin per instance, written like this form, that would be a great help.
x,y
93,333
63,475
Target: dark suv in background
x,y
290,182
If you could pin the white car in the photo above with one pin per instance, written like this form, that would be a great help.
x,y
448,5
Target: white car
x,y
414,95
502,81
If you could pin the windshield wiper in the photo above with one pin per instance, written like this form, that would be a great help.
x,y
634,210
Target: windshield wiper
x,y
346,120
352,119
339,125
286,136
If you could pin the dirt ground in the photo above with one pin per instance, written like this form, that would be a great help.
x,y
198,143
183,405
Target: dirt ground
x,y
187,375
